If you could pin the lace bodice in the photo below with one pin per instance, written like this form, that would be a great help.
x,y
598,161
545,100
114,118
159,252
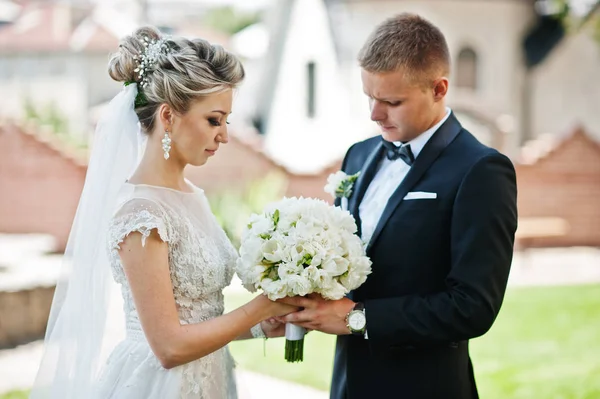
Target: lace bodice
x,y
201,260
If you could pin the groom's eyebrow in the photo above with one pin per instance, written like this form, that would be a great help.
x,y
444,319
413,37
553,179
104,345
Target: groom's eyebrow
x,y
383,98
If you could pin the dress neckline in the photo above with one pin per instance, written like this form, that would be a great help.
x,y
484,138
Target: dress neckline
x,y
190,186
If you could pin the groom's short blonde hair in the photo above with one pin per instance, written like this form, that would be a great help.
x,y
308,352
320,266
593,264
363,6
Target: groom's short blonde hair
x,y
408,42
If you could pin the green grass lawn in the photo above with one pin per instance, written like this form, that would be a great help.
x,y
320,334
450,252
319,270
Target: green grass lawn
x,y
544,345
15,395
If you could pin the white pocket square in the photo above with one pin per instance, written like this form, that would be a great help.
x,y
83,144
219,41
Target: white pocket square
x,y
420,195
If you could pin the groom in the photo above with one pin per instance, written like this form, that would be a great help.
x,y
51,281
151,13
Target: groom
x,y
438,210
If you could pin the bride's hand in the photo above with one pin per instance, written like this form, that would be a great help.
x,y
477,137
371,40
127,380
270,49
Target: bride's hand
x,y
273,328
274,308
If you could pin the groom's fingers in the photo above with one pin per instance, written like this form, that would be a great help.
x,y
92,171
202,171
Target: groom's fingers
x,y
298,301
315,296
298,317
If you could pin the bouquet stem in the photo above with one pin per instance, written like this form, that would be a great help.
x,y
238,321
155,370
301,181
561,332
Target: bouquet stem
x,y
294,343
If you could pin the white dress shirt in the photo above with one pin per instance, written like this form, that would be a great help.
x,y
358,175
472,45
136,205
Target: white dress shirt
x,y
387,179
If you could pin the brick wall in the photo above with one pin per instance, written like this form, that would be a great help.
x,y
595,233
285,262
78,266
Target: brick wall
x,y
312,185
241,162
564,182
39,186
236,164
34,302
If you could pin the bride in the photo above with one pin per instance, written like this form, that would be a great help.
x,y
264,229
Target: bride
x,y
164,246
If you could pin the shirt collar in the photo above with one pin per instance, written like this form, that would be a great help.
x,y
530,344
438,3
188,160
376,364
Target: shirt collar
x,y
417,144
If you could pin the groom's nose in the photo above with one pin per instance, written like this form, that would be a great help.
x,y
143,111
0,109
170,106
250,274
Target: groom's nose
x,y
378,113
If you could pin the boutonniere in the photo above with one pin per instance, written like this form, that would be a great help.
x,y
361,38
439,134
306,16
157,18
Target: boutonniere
x,y
340,185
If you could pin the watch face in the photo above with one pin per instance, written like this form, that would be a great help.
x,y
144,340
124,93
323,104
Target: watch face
x,y
357,320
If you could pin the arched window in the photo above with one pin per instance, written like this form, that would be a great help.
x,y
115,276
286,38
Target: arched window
x,y
311,89
466,69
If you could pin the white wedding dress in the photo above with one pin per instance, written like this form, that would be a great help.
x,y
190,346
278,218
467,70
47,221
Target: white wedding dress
x,y
201,260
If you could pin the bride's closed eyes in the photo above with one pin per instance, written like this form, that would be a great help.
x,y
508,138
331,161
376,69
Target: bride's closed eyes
x,y
216,122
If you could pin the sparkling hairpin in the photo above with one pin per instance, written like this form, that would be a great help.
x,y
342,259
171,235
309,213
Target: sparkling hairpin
x,y
153,49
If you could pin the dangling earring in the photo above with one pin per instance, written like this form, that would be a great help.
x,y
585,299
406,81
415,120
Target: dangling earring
x,y
166,144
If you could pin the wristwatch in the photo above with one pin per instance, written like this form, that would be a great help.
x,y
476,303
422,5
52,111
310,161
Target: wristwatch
x,y
356,320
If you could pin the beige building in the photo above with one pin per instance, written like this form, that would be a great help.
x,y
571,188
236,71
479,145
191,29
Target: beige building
x,y
54,54
304,93
516,74
490,74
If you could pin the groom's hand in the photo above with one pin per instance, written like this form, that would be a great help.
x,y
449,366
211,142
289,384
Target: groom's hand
x,y
319,314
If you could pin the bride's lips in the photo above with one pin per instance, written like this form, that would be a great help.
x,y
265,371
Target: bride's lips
x,y
211,152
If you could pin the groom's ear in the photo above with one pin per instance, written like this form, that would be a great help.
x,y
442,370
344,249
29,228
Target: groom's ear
x,y
440,88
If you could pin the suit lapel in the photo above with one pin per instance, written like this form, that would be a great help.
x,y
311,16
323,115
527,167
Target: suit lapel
x,y
368,171
434,147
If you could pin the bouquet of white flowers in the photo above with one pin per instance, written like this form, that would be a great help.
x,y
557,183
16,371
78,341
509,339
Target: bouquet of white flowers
x,y
299,246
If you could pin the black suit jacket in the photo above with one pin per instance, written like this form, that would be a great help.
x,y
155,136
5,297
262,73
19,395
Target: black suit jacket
x,y
440,268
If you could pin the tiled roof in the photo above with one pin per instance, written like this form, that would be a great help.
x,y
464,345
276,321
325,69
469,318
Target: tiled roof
x,y
56,27
546,145
78,157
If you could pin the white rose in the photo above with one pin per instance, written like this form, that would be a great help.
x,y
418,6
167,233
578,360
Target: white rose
x,y
274,289
306,228
353,245
362,264
334,181
343,220
298,285
260,224
335,266
312,273
353,279
285,270
251,251
318,254
297,253
334,290
288,220
256,273
272,251
245,275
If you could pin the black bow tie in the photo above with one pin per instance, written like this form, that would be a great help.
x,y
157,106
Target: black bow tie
x,y
392,152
